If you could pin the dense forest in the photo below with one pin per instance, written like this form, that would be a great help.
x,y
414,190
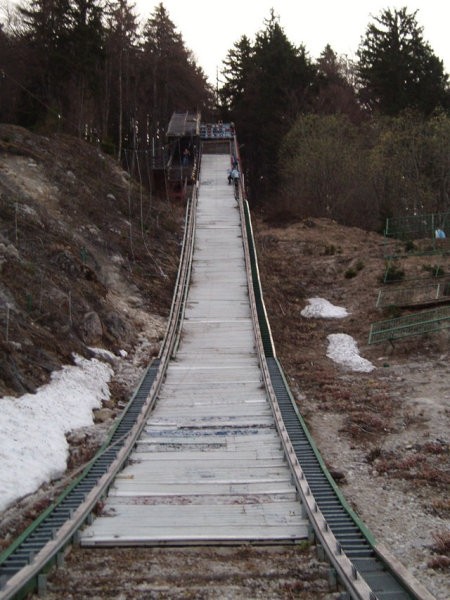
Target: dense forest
x,y
354,140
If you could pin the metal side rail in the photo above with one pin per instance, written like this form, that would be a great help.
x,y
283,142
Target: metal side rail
x,y
24,563
352,537
363,569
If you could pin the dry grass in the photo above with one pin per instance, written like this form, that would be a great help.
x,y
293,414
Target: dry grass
x,y
441,548
423,464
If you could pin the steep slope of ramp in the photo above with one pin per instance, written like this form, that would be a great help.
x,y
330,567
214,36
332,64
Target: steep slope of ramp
x,y
208,467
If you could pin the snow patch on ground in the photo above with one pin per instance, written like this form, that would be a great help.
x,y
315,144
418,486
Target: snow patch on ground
x,y
33,446
343,350
320,308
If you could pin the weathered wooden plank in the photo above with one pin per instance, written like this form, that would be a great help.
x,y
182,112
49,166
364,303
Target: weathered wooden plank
x,y
208,466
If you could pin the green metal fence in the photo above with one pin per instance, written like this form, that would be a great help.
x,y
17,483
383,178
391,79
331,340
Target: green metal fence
x,y
425,293
417,226
428,321
417,234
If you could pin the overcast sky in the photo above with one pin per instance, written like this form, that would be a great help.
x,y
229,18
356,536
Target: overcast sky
x,y
210,28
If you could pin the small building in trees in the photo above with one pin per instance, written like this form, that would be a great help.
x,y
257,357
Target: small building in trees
x,y
183,143
184,136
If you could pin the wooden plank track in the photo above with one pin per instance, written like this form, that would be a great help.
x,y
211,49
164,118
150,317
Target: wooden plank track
x,y
208,467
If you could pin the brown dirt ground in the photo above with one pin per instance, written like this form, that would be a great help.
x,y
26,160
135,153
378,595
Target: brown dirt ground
x,y
384,434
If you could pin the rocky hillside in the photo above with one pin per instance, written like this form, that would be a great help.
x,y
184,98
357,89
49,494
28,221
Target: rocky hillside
x,y
87,256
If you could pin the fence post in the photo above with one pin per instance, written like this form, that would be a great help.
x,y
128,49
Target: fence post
x,y
7,323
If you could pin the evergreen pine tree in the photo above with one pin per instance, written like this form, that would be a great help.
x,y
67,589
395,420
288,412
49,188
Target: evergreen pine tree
x,y
397,68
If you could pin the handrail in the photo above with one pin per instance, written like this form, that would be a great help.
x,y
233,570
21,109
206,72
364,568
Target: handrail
x,y
183,274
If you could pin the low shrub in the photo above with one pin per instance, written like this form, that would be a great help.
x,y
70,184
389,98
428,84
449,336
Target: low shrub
x,y
393,273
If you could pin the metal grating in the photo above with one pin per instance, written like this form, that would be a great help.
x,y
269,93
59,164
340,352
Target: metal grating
x,y
354,539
